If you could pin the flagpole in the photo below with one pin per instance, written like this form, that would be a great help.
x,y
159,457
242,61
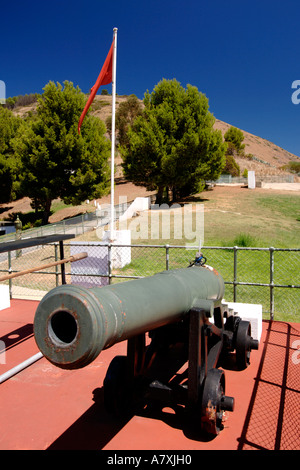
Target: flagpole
x,y
113,125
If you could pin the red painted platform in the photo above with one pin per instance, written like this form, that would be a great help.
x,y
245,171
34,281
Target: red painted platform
x,y
44,407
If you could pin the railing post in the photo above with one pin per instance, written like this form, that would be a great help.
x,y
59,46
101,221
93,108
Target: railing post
x,y
167,256
56,267
271,283
9,272
109,262
235,248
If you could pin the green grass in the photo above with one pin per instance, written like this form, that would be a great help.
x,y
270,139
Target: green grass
x,y
244,240
271,220
58,205
261,220
246,219
249,220
284,207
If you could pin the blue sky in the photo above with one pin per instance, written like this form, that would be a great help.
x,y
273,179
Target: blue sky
x,y
244,55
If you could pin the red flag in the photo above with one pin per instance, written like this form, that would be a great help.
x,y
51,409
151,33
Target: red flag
x,y
105,77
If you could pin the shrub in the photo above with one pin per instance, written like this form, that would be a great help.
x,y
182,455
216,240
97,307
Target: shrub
x,y
231,167
245,240
294,167
236,137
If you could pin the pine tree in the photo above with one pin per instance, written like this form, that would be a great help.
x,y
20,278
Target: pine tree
x,y
173,145
9,164
56,162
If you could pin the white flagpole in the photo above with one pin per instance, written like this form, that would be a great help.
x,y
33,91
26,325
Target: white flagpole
x,y
113,124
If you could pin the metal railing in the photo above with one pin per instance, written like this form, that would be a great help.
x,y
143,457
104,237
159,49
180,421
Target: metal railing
x,y
77,225
266,276
228,179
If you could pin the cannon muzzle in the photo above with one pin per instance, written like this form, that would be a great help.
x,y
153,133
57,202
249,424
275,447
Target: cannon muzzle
x,y
73,325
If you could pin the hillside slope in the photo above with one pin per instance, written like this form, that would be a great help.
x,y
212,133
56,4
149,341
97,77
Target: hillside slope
x,y
272,155
268,157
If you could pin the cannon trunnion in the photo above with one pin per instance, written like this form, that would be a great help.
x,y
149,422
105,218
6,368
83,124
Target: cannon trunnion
x,y
177,336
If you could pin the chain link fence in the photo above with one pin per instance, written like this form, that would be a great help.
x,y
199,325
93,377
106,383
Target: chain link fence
x,y
228,179
266,276
77,225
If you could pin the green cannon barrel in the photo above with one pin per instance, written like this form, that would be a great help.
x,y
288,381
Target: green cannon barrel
x,y
73,325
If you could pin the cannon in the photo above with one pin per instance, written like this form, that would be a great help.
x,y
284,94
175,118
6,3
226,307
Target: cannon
x,y
177,334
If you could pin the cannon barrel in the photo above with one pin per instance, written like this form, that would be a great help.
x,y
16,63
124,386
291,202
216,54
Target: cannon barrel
x,y
73,325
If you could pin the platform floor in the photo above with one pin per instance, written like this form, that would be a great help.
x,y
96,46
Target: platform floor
x,y
44,407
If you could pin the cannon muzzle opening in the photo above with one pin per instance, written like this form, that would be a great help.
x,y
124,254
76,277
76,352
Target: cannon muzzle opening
x,y
62,328
67,327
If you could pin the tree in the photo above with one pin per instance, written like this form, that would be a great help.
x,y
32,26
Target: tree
x,y
56,161
231,167
125,115
234,137
173,144
9,165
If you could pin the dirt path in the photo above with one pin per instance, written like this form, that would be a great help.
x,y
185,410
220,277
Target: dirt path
x,y
223,197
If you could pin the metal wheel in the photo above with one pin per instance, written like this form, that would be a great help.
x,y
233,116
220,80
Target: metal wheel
x,y
214,402
117,395
243,344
